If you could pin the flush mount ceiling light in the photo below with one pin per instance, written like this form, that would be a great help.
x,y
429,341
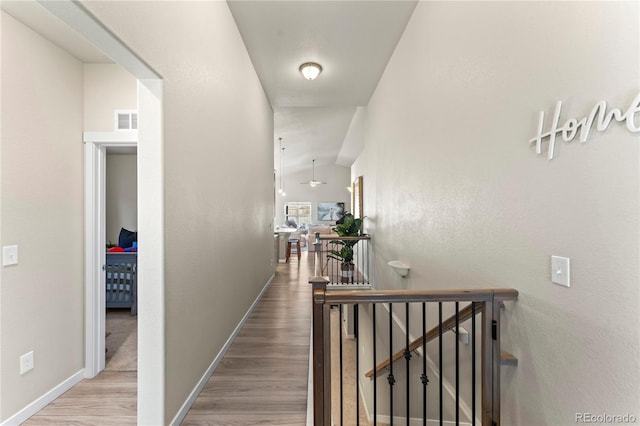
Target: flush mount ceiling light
x,y
310,70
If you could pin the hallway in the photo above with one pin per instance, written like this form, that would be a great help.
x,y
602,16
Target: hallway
x,y
262,379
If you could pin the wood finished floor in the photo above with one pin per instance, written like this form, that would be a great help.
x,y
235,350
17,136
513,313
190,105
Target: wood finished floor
x,y
262,379
108,399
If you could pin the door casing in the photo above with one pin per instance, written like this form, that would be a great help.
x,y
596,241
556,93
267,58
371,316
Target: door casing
x,y
95,147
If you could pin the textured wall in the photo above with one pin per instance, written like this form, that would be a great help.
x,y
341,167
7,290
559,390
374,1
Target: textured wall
x,y
41,298
107,87
121,195
218,173
462,197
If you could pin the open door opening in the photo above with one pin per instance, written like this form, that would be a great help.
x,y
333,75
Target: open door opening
x,y
121,220
106,185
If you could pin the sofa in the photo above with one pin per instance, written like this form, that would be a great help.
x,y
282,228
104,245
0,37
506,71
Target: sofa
x,y
324,230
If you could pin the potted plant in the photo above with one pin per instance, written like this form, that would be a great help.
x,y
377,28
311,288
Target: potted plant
x,y
343,251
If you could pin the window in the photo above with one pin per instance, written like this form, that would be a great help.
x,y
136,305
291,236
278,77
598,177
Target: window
x,y
298,212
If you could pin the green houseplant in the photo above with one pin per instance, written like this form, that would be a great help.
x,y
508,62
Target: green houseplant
x,y
343,251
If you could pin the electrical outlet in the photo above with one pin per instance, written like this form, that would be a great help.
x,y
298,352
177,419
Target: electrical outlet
x,y
9,255
560,271
26,362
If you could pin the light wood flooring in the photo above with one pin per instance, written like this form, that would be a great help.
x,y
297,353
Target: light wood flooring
x,y
262,379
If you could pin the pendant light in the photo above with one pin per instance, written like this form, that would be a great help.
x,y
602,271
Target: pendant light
x,y
283,193
280,155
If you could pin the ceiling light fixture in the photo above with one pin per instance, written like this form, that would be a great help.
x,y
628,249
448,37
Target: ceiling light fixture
x,y
313,182
310,70
280,153
283,193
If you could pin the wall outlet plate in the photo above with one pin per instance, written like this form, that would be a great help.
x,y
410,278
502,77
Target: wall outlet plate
x,y
560,271
26,362
9,255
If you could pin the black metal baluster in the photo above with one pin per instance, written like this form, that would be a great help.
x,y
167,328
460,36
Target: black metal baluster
x,y
325,261
329,261
356,325
473,363
367,263
335,269
350,279
375,375
361,260
441,402
341,371
361,270
457,363
390,377
407,356
359,246
423,376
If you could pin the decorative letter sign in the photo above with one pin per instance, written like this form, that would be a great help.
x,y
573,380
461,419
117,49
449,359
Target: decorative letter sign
x,y
570,128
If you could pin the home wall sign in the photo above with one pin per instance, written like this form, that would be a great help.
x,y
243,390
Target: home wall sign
x,y
570,129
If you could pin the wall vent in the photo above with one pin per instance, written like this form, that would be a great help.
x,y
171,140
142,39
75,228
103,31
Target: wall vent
x,y
125,119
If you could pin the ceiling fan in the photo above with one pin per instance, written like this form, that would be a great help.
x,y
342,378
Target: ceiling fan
x,y
313,182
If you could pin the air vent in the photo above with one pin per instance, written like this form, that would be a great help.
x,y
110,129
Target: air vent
x,y
126,119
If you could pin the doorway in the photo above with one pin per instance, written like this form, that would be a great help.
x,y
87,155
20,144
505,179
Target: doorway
x,y
97,145
121,218
151,361
148,140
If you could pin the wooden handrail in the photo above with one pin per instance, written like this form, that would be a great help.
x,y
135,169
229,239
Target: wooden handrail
x,y
413,296
508,359
447,325
327,237
488,301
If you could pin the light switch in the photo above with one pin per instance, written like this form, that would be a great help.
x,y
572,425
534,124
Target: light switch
x,y
9,255
560,272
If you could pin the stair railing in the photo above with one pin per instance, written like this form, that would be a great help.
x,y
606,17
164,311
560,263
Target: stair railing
x,y
447,325
485,301
328,265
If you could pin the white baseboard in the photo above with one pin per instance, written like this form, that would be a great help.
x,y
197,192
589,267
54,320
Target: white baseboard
x,y
186,406
44,400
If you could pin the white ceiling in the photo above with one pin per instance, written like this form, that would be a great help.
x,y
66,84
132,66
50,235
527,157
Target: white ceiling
x,y
352,40
36,17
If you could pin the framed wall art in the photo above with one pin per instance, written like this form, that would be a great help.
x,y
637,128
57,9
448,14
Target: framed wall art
x,y
330,211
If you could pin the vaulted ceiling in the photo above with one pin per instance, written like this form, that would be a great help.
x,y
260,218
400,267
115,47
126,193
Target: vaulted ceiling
x,y
352,40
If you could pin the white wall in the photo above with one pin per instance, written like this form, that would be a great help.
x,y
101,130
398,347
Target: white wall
x,y
354,139
337,178
107,87
41,298
218,163
121,195
463,198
